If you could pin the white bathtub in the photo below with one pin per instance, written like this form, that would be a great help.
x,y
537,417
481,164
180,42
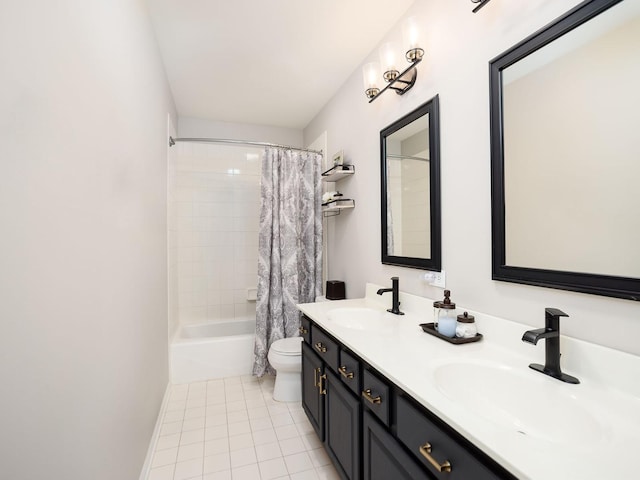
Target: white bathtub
x,y
212,350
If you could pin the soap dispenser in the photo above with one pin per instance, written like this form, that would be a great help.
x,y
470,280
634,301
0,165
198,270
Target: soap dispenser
x,y
445,316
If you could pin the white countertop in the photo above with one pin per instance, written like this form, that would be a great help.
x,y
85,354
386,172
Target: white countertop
x,y
531,438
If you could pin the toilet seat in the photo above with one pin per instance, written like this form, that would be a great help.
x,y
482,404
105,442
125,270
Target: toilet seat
x,y
287,346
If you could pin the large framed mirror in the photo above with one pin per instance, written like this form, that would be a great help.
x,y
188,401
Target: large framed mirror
x,y
410,194
565,154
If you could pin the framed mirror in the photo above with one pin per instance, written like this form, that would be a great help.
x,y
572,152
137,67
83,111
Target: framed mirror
x,y
410,194
565,155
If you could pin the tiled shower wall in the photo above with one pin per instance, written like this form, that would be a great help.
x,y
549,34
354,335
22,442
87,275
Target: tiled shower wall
x,y
217,201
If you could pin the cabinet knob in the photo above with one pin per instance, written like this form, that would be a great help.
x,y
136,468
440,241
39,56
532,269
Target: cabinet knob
x,y
367,396
425,451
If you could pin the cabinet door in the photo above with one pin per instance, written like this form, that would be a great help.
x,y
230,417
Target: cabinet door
x,y
383,457
342,428
312,399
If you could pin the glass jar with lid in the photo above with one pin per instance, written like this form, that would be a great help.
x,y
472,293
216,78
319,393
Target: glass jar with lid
x,y
466,326
445,321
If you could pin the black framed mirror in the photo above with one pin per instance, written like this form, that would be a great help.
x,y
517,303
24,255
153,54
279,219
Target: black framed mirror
x,y
410,193
565,158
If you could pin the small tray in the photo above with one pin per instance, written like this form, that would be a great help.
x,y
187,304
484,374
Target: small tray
x,y
430,329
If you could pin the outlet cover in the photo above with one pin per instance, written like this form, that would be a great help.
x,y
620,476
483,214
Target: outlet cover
x,y
439,280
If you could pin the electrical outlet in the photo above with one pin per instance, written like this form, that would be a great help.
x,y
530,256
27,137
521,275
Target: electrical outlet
x,y
438,279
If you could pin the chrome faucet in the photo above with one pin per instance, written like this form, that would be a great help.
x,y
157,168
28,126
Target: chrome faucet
x,y
395,302
551,334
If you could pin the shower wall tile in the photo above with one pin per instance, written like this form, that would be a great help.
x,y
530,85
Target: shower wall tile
x,y
216,205
239,295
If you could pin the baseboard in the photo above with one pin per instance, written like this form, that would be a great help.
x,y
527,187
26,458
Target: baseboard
x,y
146,467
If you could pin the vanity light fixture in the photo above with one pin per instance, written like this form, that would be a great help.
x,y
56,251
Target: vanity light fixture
x,y
401,82
481,3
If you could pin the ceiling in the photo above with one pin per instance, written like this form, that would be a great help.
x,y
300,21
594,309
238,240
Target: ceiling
x,y
275,62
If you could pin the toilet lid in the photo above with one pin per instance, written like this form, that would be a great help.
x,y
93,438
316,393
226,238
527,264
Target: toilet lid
x,y
287,346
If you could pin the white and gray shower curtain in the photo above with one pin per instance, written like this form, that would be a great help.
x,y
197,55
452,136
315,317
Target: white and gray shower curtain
x,y
290,246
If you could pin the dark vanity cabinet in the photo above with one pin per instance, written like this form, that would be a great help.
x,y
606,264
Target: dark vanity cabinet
x,y
330,401
342,427
373,430
383,457
312,399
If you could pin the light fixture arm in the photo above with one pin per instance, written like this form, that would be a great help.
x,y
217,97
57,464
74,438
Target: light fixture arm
x,y
407,78
481,3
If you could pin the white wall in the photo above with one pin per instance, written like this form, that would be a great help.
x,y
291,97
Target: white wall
x,y
172,238
459,45
198,127
83,238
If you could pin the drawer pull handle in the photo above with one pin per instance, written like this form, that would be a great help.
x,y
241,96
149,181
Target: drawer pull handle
x,y
344,373
316,371
425,451
367,396
303,331
320,347
321,388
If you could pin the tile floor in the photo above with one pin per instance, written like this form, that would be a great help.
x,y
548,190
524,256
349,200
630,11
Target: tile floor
x,y
232,429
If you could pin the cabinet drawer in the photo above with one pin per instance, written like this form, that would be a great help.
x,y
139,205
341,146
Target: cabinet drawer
x,y
375,395
384,458
326,348
437,449
305,329
349,370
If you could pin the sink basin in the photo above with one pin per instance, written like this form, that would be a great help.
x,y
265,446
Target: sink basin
x,y
366,319
517,399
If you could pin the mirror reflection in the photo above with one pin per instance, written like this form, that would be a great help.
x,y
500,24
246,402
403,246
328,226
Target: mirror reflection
x,y
566,162
410,190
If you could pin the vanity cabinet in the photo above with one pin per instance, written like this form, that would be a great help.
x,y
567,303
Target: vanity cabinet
x,y
375,393
372,429
384,458
435,447
342,427
349,370
325,347
329,382
312,398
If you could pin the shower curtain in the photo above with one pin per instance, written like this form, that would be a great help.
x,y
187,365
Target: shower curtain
x,y
290,246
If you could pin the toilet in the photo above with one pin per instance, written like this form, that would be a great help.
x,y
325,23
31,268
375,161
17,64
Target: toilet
x,y
285,356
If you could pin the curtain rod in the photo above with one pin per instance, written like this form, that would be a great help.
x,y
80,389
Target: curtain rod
x,y
172,142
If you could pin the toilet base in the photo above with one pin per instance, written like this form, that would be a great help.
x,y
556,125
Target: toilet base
x,y
288,387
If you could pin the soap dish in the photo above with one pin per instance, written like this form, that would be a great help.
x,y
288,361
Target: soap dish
x,y
431,330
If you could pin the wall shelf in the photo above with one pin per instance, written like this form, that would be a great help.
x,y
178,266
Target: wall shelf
x,y
334,207
338,172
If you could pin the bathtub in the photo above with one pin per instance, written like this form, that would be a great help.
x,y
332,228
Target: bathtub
x,y
212,350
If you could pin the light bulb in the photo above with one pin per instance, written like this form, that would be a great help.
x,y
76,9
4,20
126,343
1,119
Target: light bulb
x,y
371,76
389,61
411,39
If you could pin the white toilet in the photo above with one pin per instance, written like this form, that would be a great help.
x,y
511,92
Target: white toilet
x,y
285,356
